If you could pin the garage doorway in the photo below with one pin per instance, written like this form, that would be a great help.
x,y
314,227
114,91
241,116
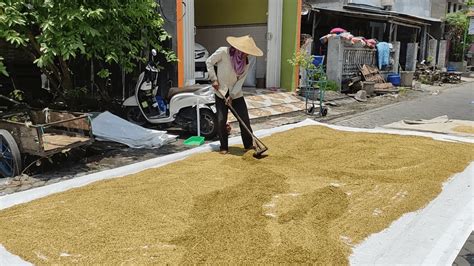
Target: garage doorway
x,y
214,20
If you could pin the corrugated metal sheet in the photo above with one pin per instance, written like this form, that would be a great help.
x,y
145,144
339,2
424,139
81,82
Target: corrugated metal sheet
x,y
12,54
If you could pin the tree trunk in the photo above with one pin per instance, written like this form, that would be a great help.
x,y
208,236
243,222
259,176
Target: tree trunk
x,y
102,87
59,77
102,90
67,80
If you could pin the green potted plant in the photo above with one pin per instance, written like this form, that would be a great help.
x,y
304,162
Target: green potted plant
x,y
304,61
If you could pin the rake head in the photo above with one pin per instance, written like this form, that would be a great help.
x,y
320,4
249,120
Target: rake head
x,y
260,149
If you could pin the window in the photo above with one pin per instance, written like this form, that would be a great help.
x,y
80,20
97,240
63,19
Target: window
x,y
454,7
449,7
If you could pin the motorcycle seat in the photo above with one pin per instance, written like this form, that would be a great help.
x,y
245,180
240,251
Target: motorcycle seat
x,y
177,90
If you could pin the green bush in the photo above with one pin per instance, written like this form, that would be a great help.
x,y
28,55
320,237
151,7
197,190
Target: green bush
x,y
458,24
57,32
3,69
332,86
302,59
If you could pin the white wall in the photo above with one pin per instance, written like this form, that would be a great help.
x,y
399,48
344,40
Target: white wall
x,y
188,40
275,20
214,37
421,8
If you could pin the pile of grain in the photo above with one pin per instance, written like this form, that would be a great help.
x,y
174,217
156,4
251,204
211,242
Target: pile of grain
x,y
464,129
318,193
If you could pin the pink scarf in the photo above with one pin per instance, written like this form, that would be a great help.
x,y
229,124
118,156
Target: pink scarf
x,y
238,59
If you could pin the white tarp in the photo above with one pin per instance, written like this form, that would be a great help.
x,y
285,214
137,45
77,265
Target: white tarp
x,y
433,235
109,127
441,125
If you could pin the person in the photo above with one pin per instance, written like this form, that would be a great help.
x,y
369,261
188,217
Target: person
x,y
232,69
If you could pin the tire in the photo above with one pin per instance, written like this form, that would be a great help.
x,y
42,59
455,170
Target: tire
x,y
208,120
134,115
10,157
324,111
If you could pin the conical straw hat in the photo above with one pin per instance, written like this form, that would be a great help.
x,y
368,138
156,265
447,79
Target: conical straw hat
x,y
245,44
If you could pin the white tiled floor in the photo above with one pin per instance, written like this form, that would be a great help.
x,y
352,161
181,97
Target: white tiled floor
x,y
262,103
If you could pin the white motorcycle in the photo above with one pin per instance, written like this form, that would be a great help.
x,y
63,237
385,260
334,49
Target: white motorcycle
x,y
179,107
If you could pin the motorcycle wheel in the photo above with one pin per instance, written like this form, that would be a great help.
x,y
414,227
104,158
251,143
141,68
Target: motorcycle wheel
x,y
208,123
134,115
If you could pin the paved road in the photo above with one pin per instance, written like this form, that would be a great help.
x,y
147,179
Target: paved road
x,y
456,102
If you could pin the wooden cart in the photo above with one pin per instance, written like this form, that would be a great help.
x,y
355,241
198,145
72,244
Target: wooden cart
x,y
43,134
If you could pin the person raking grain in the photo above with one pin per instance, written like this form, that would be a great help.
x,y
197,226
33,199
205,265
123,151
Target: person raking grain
x,y
232,69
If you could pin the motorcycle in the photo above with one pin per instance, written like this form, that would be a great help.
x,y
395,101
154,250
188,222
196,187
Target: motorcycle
x,y
178,107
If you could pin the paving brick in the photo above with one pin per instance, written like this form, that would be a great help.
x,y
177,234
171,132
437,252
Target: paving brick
x,y
460,261
466,256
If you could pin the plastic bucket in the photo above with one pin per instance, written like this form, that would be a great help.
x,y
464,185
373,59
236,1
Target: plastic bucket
x,y
394,79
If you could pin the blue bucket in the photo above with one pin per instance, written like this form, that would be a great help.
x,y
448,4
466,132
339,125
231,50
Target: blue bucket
x,y
394,79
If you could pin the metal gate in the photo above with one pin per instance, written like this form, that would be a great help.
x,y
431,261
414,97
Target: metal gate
x,y
355,57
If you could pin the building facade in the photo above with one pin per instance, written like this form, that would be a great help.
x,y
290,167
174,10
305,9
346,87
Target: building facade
x,y
404,21
415,28
274,24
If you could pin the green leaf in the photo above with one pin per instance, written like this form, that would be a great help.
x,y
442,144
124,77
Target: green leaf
x,y
104,73
108,32
3,68
95,13
39,62
14,38
111,58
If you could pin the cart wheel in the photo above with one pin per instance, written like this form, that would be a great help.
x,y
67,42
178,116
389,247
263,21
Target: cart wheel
x,y
10,157
311,110
324,111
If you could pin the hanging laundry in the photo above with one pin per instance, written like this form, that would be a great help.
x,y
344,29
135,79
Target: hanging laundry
x,y
371,43
383,51
338,31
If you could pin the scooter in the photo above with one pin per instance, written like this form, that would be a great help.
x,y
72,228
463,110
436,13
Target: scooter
x,y
178,108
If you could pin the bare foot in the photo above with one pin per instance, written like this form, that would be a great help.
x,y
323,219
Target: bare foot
x,y
224,152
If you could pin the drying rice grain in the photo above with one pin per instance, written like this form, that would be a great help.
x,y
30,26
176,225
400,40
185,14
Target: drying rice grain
x,y
211,208
464,129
